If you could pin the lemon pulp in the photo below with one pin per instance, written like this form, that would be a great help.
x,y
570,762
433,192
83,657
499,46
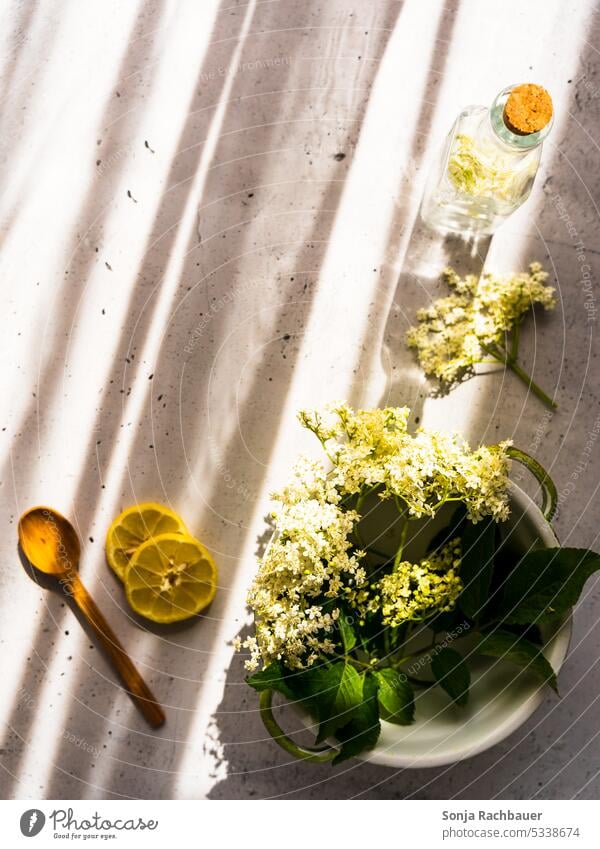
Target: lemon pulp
x,y
170,578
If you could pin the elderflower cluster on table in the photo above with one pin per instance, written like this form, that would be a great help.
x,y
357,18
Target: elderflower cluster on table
x,y
478,323
336,619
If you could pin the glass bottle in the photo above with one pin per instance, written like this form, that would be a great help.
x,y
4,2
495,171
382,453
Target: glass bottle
x,y
486,169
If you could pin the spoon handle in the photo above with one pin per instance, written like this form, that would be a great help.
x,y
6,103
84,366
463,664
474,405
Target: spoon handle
x,y
137,688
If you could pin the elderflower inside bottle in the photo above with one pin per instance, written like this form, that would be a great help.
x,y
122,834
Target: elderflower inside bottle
x,y
489,162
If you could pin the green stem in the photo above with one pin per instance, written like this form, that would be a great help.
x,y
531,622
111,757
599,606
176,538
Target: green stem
x,y
348,659
359,539
529,382
403,515
324,446
398,557
361,498
514,348
505,358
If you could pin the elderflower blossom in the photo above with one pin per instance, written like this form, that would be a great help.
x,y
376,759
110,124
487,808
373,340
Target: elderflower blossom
x,y
308,562
314,562
415,591
373,448
453,331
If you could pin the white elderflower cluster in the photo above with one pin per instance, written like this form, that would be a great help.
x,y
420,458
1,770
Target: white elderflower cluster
x,y
308,562
415,591
453,331
314,562
373,448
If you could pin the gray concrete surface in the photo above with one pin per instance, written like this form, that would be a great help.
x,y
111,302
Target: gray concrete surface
x,y
208,221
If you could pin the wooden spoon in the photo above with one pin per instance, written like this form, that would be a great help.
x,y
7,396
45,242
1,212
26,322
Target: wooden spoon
x,y
50,543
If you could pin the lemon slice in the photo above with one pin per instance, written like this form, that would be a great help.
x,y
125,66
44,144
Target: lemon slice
x,y
170,577
133,527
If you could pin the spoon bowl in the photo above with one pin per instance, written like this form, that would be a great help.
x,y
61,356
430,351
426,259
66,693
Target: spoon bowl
x,y
49,542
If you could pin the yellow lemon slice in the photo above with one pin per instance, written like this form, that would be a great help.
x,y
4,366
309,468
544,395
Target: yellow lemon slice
x,y
133,527
170,577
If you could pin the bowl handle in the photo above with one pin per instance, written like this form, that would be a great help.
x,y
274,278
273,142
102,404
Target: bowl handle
x,y
549,494
306,753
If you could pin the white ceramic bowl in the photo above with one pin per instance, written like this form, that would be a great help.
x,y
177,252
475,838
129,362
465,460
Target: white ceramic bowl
x,y
500,700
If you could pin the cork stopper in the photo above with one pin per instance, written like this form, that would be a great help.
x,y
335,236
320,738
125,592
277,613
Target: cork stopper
x,y
528,109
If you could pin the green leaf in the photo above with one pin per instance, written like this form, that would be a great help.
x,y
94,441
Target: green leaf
x,y
334,692
478,546
452,674
395,697
347,633
518,650
363,731
272,678
545,584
